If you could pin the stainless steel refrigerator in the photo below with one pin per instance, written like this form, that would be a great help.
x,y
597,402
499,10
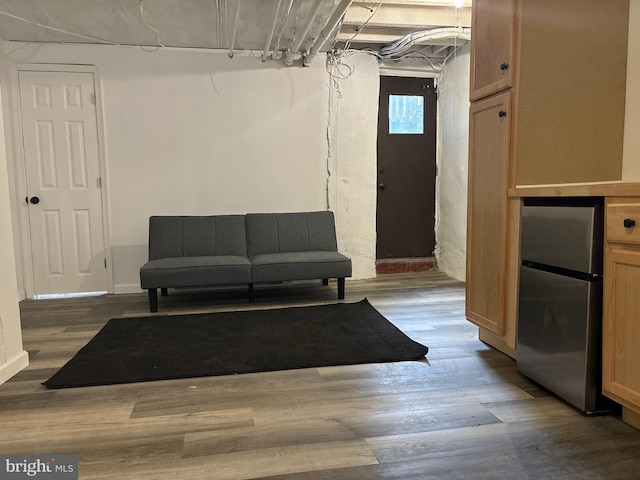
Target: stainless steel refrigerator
x,y
560,299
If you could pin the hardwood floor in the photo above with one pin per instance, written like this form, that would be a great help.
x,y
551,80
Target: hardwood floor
x,y
463,413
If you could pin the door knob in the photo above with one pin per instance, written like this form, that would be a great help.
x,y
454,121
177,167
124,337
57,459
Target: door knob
x,y
504,66
34,200
382,186
629,223
502,113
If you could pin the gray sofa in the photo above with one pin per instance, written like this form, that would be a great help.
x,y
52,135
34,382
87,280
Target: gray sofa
x,y
204,251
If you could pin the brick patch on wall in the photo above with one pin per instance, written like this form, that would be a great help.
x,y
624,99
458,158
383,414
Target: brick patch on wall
x,y
405,265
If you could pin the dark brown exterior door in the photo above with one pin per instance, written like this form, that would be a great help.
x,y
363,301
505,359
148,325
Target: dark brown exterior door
x,y
406,168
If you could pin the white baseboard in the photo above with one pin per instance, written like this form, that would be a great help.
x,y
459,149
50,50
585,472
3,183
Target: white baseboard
x,y
14,366
127,288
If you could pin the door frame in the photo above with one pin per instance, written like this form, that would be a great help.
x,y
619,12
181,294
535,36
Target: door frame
x,y
392,71
23,248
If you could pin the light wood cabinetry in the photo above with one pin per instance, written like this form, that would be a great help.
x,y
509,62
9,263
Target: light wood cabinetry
x,y
492,46
568,118
489,210
621,322
563,124
489,134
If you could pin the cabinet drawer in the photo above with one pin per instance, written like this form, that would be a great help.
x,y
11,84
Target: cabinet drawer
x,y
617,215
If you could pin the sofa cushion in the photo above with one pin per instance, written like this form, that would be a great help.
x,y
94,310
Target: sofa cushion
x,y
195,271
273,267
172,236
290,232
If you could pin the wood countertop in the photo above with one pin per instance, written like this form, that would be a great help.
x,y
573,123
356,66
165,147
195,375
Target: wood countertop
x,y
603,189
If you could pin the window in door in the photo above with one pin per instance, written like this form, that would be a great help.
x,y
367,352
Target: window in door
x,y
406,114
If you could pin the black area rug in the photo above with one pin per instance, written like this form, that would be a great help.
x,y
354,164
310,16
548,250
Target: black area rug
x,y
142,349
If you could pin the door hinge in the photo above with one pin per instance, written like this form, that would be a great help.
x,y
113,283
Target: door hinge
x,y
93,98
99,182
105,263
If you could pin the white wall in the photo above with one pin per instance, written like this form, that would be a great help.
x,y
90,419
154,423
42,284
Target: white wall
x,y
194,132
631,150
451,185
12,356
353,134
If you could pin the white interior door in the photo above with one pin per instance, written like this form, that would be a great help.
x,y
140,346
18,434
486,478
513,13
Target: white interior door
x,y
63,181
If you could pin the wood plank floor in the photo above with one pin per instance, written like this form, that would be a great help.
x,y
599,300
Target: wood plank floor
x,y
465,413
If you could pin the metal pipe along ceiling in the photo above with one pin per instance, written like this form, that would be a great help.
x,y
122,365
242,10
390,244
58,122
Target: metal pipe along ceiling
x,y
235,28
328,29
303,34
267,44
284,24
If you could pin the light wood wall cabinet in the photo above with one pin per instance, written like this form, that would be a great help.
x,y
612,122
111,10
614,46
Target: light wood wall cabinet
x,y
568,117
621,323
563,121
489,209
492,46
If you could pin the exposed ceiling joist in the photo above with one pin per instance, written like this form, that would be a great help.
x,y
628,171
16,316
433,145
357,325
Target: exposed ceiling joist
x,y
277,28
387,36
406,16
375,25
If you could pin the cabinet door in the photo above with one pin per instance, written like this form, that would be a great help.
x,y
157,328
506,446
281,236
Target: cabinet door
x,y
487,212
621,327
492,46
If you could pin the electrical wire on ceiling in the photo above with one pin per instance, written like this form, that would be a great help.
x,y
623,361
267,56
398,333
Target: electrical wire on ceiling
x,y
339,67
44,12
393,50
347,44
435,66
148,25
342,67
336,59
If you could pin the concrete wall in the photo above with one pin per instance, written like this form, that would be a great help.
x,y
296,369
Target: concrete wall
x,y
451,185
193,132
353,134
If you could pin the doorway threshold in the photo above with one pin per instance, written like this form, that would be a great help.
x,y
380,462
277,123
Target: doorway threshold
x,y
405,265
49,296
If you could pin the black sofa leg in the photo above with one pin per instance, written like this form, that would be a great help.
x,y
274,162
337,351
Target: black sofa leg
x,y
251,298
164,292
341,288
325,281
153,300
